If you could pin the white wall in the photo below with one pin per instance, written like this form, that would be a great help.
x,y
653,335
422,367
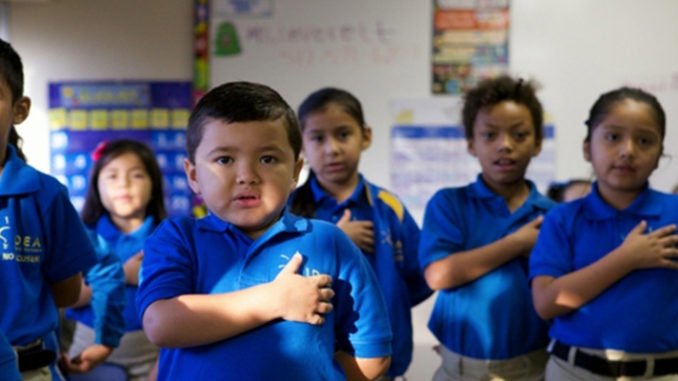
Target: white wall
x,y
578,49
95,39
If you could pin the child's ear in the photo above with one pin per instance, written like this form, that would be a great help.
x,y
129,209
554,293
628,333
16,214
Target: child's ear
x,y
189,168
661,153
469,147
297,170
586,148
367,138
20,110
537,147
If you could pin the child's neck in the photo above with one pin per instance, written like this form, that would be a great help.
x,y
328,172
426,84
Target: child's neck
x,y
3,158
341,191
617,199
127,225
513,194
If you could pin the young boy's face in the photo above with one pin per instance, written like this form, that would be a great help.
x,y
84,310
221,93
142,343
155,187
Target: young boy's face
x,y
504,142
244,171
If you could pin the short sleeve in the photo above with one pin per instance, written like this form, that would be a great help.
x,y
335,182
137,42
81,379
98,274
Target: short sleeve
x,y
362,325
552,253
68,245
167,268
109,297
441,233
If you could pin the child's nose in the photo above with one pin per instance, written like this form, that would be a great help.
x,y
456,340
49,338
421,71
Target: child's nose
x,y
123,181
247,173
505,142
628,147
331,146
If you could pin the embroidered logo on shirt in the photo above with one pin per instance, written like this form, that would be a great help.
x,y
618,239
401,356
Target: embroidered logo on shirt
x,y
306,271
23,245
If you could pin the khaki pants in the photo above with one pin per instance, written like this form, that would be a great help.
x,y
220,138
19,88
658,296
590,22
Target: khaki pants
x,y
135,352
454,367
560,370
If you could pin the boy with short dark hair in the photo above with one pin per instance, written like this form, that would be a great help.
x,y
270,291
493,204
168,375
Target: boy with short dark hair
x,y
213,294
476,239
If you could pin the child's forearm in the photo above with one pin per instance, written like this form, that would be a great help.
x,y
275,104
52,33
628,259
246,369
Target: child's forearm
x,y
190,320
67,291
85,296
466,266
362,369
557,296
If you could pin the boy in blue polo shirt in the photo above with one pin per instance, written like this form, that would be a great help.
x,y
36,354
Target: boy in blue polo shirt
x,y
212,292
44,245
476,239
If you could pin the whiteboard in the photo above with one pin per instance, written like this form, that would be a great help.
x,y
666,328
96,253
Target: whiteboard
x,y
376,49
380,51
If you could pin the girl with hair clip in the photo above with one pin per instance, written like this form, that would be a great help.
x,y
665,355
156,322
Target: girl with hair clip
x,y
334,133
123,205
604,266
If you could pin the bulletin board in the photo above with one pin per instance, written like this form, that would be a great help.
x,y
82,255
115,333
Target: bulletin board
x,y
84,113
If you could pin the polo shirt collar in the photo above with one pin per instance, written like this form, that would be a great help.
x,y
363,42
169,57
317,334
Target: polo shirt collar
x,y
480,190
595,208
320,195
107,229
17,176
288,222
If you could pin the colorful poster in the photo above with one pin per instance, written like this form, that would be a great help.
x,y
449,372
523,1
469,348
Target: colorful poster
x,y
428,152
83,114
470,42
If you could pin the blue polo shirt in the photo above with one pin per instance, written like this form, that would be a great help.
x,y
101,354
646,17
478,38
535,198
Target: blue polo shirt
x,y
638,313
210,256
104,313
394,260
328,209
492,317
8,364
126,245
43,242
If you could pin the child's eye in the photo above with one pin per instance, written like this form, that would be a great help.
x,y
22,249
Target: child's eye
x,y
139,175
343,135
612,137
317,138
224,160
644,141
268,159
521,135
488,135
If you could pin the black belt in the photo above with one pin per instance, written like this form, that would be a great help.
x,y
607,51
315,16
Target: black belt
x,y
613,368
35,356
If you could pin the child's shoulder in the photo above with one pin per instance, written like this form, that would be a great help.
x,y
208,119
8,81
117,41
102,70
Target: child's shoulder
x,y
178,226
387,198
449,195
319,232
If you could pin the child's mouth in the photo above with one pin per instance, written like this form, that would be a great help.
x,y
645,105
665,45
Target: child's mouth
x,y
247,200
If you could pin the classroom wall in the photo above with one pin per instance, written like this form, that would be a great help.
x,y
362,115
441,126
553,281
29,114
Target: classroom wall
x,y
575,48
